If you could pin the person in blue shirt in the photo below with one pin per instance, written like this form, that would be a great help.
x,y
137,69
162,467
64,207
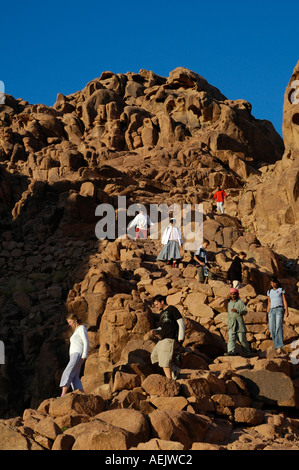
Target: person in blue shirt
x,y
277,308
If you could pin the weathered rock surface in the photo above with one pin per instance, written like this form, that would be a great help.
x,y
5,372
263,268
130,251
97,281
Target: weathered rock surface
x,y
270,200
155,140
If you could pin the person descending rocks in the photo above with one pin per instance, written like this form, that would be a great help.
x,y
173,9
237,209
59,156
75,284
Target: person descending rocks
x,y
141,223
234,274
220,195
277,309
78,353
201,260
172,241
170,330
236,325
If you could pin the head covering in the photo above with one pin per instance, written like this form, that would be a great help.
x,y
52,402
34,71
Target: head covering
x,y
233,290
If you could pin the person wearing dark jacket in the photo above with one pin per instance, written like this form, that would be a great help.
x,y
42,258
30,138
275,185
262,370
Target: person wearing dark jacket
x,y
234,274
171,329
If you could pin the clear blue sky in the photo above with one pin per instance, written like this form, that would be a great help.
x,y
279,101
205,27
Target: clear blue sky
x,y
247,49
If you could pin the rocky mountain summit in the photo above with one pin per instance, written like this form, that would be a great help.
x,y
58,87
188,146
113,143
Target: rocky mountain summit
x,y
154,140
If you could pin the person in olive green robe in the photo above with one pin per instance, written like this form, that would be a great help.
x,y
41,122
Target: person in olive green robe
x,y
236,324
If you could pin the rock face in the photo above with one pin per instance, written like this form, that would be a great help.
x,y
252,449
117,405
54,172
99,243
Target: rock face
x,y
270,202
137,114
155,140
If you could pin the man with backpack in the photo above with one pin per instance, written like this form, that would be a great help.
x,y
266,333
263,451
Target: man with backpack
x,y
171,329
201,260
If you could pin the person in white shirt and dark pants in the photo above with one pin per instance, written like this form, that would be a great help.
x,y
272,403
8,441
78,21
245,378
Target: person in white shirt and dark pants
x,y
78,353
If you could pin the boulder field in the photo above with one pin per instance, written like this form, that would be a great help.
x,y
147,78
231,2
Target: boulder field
x,y
152,140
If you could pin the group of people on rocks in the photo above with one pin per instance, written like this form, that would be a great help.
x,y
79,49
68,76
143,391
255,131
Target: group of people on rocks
x,y
171,326
172,238
171,332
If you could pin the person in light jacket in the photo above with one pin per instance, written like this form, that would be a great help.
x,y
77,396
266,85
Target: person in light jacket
x,y
78,353
201,259
172,241
141,223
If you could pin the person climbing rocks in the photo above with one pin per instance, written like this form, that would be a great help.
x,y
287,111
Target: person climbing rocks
x,y
202,264
141,223
220,195
277,309
170,330
236,324
234,273
78,353
172,241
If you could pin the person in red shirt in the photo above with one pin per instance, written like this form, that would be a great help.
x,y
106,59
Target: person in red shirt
x,y
220,195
